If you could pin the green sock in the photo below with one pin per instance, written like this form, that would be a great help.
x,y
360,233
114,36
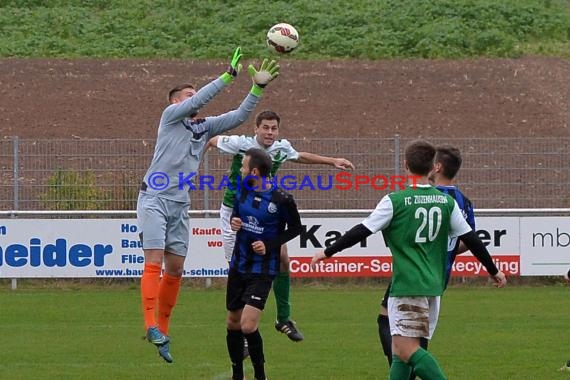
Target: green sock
x,y
399,369
425,365
281,286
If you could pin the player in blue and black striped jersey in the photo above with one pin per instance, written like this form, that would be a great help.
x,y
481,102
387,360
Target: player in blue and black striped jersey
x,y
447,163
265,217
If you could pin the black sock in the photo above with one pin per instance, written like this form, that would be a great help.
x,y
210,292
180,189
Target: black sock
x,y
234,340
255,344
385,337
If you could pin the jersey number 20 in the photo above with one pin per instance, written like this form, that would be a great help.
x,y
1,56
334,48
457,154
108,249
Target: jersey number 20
x,y
430,222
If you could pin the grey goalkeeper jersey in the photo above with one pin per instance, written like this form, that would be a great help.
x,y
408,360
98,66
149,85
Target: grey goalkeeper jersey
x,y
181,140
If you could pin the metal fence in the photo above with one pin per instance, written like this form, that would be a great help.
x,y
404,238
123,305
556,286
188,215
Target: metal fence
x,y
106,174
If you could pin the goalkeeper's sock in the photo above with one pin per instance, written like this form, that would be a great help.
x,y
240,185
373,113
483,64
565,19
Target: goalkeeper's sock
x,y
281,289
149,292
234,341
385,337
255,346
399,369
426,366
167,296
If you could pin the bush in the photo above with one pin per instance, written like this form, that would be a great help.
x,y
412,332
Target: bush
x,y
71,190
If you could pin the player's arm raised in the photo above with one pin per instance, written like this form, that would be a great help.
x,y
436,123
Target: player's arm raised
x,y
312,158
217,125
190,106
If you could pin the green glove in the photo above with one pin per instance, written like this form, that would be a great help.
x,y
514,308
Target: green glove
x,y
268,71
234,68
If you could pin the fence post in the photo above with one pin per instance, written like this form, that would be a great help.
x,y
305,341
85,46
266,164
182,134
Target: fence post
x,y
206,188
397,164
208,281
16,184
15,144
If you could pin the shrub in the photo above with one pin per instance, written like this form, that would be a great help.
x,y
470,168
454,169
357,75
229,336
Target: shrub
x,y
71,190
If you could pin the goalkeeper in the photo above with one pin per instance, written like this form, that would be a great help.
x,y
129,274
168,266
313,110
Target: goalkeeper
x,y
163,202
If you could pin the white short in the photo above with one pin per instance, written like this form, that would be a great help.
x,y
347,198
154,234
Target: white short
x,y
164,224
228,236
414,317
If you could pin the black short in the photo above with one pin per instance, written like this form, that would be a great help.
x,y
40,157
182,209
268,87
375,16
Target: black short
x,y
247,289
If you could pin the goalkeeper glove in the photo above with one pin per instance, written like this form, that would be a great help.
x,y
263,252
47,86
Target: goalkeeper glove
x,y
268,71
234,68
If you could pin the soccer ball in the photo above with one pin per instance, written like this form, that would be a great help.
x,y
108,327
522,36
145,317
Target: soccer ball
x,y
567,275
282,38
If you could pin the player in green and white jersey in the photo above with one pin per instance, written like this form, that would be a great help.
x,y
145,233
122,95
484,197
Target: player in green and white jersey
x,y
416,224
267,124
447,163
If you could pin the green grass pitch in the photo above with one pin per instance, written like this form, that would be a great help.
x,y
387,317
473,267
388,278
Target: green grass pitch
x,y
95,333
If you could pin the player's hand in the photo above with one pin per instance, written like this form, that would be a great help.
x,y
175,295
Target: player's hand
x,y
268,71
258,247
235,223
235,67
319,256
500,279
341,163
